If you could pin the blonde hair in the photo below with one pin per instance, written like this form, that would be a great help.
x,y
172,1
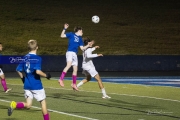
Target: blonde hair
x,y
32,45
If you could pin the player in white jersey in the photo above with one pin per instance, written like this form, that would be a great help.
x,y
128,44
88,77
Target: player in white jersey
x,y
2,76
89,68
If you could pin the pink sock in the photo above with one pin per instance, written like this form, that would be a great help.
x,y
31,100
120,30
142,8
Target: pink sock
x,y
74,77
20,105
62,76
46,117
3,82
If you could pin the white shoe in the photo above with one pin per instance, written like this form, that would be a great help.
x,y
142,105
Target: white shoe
x,y
9,89
106,97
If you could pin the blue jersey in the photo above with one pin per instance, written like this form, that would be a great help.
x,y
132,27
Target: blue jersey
x,y
74,42
31,63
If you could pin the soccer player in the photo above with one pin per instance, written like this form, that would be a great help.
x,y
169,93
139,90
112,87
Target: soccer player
x,y
75,41
89,68
32,83
2,76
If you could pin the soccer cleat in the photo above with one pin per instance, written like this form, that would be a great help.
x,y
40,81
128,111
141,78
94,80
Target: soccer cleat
x,y
74,87
61,83
11,108
9,89
106,97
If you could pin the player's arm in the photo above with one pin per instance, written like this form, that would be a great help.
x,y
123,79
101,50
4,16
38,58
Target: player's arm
x,y
90,55
84,47
94,48
63,35
20,74
19,69
41,73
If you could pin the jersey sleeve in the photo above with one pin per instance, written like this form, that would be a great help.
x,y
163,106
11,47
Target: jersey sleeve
x,y
38,64
89,54
81,42
19,67
68,35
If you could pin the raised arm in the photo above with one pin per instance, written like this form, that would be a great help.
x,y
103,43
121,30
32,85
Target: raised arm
x,y
63,35
90,55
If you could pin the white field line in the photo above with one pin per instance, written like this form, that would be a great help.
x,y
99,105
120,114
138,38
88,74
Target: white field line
x,y
55,111
115,94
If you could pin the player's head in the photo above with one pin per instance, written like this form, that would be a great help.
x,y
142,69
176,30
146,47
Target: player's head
x,y
32,45
1,47
78,30
88,40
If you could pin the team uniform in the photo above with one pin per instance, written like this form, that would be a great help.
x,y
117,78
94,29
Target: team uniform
x,y
3,80
87,64
89,69
73,44
32,84
1,72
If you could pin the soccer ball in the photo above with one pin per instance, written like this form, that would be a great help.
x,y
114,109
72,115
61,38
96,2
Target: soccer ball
x,y
95,19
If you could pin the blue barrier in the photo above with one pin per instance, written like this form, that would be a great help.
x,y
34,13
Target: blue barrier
x,y
113,63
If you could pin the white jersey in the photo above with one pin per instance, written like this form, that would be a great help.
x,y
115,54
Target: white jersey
x,y
87,59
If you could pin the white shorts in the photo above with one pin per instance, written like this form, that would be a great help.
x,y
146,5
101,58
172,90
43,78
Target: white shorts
x,y
1,72
71,56
91,72
39,95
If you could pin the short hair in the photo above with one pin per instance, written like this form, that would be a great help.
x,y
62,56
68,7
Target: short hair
x,y
86,40
0,43
32,45
77,28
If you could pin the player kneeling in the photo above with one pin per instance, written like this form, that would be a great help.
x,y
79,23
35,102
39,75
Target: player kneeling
x,y
89,68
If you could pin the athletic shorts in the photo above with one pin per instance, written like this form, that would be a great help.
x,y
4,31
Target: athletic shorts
x,y
91,72
71,56
1,72
39,95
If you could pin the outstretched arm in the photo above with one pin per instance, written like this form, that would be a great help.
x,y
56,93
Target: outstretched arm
x,y
63,35
94,48
90,55
84,47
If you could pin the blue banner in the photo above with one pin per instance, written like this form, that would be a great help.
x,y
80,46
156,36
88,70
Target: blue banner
x,y
15,59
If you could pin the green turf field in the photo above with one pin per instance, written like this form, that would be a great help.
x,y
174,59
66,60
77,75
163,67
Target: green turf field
x,y
128,102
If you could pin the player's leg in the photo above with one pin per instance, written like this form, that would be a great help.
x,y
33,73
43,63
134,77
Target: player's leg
x,y
97,77
74,77
64,73
87,79
44,110
3,82
21,105
40,96
75,69
68,65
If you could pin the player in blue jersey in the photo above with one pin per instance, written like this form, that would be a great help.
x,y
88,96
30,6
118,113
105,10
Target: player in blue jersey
x,y
2,76
31,67
74,42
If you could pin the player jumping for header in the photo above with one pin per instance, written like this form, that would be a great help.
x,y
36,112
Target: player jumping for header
x,y
75,41
89,68
32,83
